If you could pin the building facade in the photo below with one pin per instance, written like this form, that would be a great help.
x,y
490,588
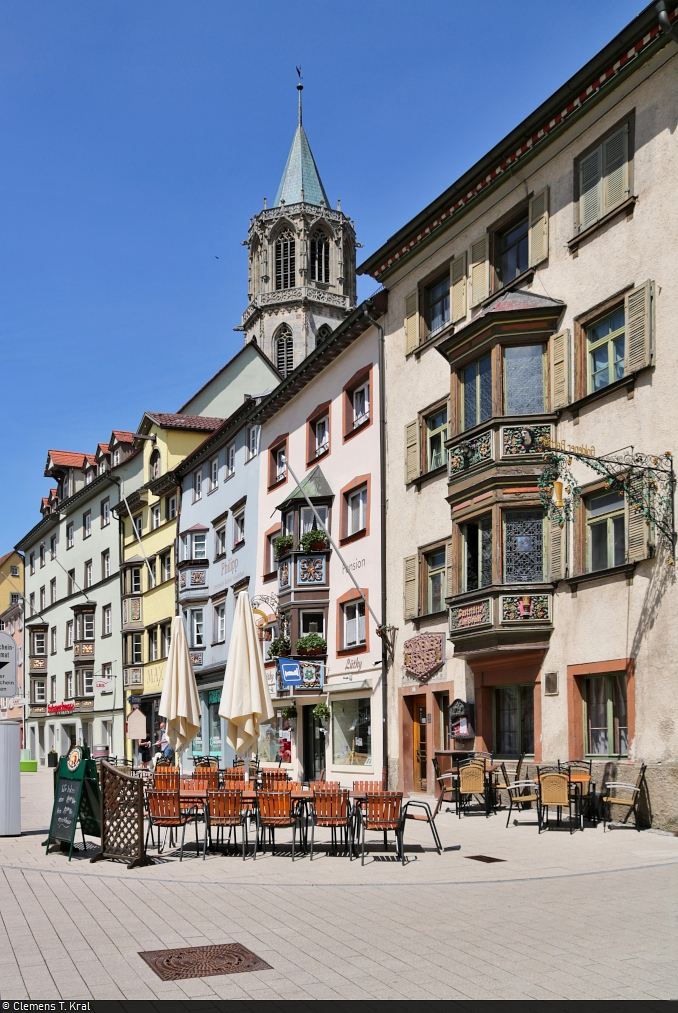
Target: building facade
x,y
544,278
323,420
12,622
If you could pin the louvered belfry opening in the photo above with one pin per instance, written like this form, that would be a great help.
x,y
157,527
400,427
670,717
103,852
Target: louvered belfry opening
x,y
284,350
320,257
285,260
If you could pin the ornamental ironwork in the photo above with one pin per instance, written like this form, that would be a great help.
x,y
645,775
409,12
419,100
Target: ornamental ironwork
x,y
423,655
520,607
311,570
520,440
471,452
647,481
523,546
477,613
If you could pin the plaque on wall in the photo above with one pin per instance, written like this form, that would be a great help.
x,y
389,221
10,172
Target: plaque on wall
x,y
424,655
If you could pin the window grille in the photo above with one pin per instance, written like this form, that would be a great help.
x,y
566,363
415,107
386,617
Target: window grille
x,y
284,350
285,261
320,257
523,546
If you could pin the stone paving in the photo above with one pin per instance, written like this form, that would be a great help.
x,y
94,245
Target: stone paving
x,y
582,916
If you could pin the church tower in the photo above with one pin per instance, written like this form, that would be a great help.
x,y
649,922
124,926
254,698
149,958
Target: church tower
x,y
301,267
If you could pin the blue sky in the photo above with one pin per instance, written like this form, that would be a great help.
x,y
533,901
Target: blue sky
x,y
139,138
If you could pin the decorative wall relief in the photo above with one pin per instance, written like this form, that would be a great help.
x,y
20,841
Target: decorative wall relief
x,y
423,655
311,569
470,452
284,574
197,577
521,607
135,610
476,613
520,440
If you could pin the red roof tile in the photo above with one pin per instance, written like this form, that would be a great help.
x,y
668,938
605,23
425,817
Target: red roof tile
x,y
174,421
103,447
122,436
67,458
91,458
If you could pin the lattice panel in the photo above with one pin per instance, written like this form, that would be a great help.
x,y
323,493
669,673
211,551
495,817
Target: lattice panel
x,y
122,816
524,546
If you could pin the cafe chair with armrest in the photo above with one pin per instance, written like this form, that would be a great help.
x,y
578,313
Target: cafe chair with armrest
x,y
471,785
628,800
414,809
519,793
225,809
165,810
275,809
332,808
382,812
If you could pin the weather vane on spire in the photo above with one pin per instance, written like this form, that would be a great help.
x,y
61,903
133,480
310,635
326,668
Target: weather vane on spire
x,y
300,88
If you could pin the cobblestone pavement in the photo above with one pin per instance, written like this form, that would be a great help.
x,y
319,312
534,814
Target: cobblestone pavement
x,y
587,915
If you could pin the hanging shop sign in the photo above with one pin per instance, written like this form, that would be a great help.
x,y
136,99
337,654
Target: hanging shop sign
x,y
300,674
424,655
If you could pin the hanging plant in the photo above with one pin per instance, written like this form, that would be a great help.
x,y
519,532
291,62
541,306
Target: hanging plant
x,y
321,712
311,643
314,540
282,545
289,713
279,647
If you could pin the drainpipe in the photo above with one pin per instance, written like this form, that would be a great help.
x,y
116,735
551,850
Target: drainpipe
x,y
382,490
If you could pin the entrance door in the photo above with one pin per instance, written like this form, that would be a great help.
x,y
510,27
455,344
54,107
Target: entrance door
x,y
314,745
420,743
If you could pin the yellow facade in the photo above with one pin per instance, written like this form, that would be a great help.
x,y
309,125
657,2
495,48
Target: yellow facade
x,y
11,584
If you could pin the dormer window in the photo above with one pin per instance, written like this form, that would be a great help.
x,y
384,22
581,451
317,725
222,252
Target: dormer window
x,y
89,476
116,457
102,466
154,465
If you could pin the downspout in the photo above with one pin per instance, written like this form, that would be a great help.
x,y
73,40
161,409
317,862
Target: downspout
x,y
382,490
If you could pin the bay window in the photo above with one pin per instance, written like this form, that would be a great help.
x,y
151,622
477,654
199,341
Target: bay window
x,y
476,387
477,553
524,379
523,546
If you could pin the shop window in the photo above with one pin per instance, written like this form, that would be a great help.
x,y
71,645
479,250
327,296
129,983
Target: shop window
x,y
476,392
434,563
607,723
352,732
477,547
605,342
514,720
436,434
523,546
275,741
524,379
606,531
437,304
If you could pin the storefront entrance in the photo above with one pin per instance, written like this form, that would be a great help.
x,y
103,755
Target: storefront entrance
x,y
314,745
420,743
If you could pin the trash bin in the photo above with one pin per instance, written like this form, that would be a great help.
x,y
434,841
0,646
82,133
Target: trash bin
x,y
52,758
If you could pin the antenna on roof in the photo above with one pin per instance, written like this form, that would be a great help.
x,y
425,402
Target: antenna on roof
x,y
300,88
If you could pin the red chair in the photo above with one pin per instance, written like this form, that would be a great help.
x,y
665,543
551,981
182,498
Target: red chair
x,y
332,808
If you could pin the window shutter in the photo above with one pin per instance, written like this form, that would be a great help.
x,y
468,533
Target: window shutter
x,y
556,547
590,196
538,236
480,270
637,528
458,287
412,451
411,322
639,350
560,370
449,572
615,169
410,586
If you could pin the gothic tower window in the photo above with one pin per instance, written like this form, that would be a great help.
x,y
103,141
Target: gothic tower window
x,y
323,332
320,256
284,260
284,350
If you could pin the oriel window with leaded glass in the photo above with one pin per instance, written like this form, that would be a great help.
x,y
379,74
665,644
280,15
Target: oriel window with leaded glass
x,y
605,340
524,379
477,537
436,434
476,388
523,546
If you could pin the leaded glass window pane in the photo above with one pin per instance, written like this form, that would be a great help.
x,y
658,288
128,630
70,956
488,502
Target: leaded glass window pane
x,y
524,380
523,546
477,390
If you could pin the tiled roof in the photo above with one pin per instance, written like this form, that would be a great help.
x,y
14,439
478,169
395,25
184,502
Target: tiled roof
x,y
184,421
67,458
3,559
122,436
91,458
103,447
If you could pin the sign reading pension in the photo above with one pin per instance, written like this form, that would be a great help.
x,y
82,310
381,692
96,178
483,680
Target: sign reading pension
x,y
8,686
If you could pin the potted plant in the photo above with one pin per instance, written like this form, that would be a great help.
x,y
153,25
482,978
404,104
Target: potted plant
x,y
314,541
289,712
279,647
282,545
52,758
321,712
311,643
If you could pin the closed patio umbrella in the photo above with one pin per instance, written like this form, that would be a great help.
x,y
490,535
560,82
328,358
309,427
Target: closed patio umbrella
x,y
245,699
179,703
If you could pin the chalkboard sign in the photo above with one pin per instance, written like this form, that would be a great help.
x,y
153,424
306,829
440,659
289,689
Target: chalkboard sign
x,y
66,809
76,798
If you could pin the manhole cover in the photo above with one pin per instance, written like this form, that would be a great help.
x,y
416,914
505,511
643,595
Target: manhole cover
x,y
203,961
484,858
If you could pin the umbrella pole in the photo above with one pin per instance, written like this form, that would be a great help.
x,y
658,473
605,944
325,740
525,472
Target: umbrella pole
x,y
247,766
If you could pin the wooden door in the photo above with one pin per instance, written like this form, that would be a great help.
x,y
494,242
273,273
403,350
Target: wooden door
x,y
420,743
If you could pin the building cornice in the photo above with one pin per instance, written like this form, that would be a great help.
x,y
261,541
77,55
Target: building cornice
x,y
51,520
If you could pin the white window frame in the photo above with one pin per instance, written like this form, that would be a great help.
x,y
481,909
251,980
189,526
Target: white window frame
x,y
88,682
88,626
70,535
307,519
220,541
322,445
199,544
253,433
155,516
138,523
106,564
68,686
137,655
197,485
135,580
353,614
107,621
220,623
52,552
53,640
52,591
153,644
171,508
87,524
197,627
361,496
105,513
238,528
166,639
214,473
166,564
115,458
230,460
359,419
39,691
88,573
280,464
69,633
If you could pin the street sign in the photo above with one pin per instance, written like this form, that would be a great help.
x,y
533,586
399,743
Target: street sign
x,y
8,686
290,672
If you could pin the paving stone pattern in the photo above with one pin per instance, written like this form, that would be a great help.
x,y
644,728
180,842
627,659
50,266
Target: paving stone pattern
x,y
581,916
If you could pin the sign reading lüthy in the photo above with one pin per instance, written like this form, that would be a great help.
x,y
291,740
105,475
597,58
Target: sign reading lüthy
x,y
424,655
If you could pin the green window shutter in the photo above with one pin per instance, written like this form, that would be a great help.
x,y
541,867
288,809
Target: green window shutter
x,y
480,270
560,369
411,322
639,343
410,586
556,549
615,169
412,451
449,571
538,235
458,288
637,528
590,189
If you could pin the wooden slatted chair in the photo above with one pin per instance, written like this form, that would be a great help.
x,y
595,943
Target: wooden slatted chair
x,y
276,810
324,786
166,779
628,801
382,811
332,808
165,810
225,809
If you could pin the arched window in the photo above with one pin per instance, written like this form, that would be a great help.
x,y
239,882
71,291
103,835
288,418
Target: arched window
x,y
323,332
154,465
284,350
320,256
285,273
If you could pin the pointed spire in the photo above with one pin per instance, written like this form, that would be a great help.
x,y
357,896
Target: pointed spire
x,y
301,179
